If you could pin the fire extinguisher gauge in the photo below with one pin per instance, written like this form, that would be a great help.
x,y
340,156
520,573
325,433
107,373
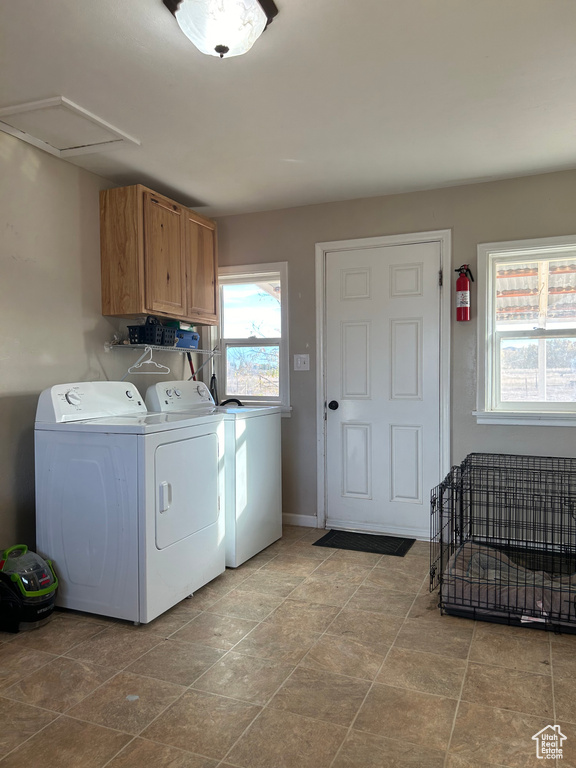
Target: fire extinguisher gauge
x,y
465,270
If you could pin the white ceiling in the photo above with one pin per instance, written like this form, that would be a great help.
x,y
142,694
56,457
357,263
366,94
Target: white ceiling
x,y
338,99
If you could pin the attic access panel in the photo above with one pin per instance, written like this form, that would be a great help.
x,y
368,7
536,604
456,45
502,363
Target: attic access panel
x,y
62,128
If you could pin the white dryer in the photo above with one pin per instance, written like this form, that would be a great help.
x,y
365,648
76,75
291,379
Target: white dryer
x,y
127,503
252,466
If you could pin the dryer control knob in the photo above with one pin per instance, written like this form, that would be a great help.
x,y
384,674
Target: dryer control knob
x,y
73,398
202,391
168,393
177,392
129,394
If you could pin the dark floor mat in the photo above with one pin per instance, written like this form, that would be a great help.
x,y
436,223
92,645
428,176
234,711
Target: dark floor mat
x,y
366,542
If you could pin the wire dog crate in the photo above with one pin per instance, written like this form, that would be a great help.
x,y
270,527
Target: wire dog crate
x,y
503,540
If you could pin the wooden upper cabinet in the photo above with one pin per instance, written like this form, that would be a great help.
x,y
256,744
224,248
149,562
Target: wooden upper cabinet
x,y
164,268
122,252
201,269
158,257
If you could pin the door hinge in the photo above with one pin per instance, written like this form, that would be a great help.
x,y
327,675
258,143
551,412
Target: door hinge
x,y
440,278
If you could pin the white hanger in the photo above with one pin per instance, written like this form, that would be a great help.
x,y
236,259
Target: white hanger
x,y
154,368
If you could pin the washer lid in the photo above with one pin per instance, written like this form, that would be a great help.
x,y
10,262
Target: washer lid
x,y
247,411
136,425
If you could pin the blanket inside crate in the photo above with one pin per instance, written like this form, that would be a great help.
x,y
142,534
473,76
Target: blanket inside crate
x,y
485,578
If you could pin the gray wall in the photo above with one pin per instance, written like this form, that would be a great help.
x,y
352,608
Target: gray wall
x,y
536,206
52,330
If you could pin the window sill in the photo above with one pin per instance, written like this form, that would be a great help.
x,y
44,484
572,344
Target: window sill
x,y
517,418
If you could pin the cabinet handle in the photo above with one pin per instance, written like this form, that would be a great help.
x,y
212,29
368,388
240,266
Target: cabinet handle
x,y
165,496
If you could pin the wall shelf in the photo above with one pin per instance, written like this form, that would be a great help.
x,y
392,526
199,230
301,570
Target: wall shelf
x,y
149,366
109,345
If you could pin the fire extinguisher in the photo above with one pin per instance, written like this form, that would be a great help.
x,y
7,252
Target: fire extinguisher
x,y
463,292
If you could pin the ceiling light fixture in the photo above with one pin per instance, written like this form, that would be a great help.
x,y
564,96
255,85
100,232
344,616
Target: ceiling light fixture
x,y
222,27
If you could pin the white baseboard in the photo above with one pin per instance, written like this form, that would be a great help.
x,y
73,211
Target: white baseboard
x,y
388,530
307,521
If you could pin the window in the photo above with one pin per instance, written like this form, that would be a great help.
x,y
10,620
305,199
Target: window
x,y
527,336
254,333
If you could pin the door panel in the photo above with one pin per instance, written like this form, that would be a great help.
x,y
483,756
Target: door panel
x,y
406,463
406,359
383,367
357,461
163,256
202,269
186,488
356,360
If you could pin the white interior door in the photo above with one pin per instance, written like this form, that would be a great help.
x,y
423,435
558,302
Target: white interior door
x,y
382,386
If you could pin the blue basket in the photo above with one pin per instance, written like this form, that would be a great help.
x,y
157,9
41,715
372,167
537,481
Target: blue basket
x,y
187,339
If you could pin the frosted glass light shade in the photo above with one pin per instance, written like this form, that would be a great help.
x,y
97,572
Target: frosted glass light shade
x,y
211,24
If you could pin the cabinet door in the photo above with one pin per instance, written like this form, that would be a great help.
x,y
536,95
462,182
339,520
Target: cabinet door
x,y
202,271
163,256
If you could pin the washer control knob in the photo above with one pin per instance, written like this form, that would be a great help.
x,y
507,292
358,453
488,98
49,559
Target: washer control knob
x,y
73,398
168,393
202,391
177,392
129,394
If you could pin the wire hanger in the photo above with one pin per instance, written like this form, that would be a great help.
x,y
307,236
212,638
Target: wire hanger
x,y
154,368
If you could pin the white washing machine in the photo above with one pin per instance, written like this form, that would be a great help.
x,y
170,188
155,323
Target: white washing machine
x,y
252,466
127,503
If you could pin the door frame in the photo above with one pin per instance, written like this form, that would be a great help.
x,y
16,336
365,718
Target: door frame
x,y
444,238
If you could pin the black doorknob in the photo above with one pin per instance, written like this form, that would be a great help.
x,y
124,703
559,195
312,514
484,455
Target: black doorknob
x,y
333,405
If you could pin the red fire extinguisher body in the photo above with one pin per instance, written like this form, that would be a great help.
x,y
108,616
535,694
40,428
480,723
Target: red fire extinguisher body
x,y
463,292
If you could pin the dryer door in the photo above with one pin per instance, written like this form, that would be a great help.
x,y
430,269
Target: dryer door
x,y
186,475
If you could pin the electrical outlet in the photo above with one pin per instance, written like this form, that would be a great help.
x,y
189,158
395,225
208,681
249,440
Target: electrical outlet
x,y
301,362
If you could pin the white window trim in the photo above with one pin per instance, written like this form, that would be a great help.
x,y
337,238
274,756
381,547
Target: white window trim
x,y
248,273
487,412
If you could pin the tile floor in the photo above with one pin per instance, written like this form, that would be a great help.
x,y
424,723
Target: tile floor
x,y
304,657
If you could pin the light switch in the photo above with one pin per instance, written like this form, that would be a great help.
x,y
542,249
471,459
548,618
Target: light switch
x,y
301,362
